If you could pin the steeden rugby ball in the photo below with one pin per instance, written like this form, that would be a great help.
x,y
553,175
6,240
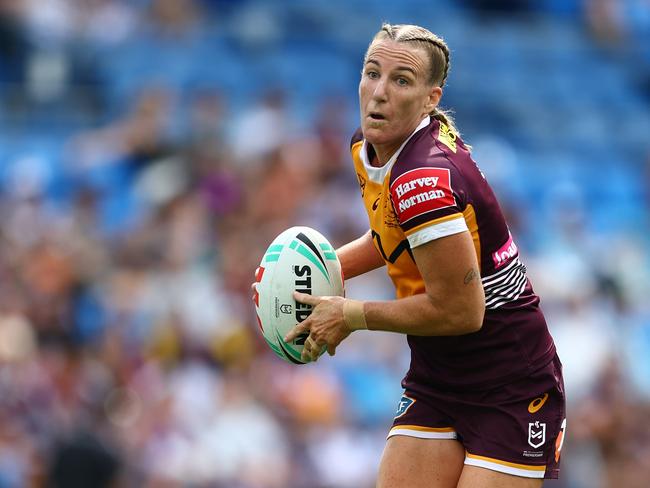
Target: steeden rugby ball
x,y
299,259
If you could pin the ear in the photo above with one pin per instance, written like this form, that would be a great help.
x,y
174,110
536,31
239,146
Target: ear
x,y
435,94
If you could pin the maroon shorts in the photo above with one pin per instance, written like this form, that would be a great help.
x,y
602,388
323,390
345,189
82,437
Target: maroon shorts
x,y
517,428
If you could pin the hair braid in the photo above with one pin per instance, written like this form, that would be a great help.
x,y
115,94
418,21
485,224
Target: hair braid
x,y
440,44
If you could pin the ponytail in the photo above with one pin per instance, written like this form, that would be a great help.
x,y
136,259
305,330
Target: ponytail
x,y
445,117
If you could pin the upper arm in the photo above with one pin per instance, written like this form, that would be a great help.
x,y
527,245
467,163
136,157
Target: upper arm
x,y
450,270
429,202
359,256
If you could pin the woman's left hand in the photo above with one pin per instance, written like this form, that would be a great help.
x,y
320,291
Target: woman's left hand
x,y
325,325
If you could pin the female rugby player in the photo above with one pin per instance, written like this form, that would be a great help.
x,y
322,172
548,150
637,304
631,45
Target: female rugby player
x,y
483,402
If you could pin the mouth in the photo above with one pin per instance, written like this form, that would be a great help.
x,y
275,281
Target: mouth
x,y
376,116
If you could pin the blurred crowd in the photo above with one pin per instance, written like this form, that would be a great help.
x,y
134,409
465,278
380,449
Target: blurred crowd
x,y
129,351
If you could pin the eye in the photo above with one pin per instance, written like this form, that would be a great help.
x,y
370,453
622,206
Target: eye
x,y
372,74
402,81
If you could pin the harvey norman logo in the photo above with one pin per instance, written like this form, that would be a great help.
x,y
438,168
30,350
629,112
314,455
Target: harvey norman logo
x,y
420,191
425,182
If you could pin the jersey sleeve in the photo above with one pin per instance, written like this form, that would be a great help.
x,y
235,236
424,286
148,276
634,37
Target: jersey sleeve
x,y
429,203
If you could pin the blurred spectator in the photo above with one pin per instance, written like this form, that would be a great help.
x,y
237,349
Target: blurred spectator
x,y
173,17
605,20
262,130
82,461
136,139
13,43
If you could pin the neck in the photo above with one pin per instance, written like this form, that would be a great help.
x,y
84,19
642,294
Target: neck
x,y
385,151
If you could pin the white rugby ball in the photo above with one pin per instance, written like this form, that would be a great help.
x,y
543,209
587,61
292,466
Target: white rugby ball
x,y
299,259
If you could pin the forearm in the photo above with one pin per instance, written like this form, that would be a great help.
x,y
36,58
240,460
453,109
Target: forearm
x,y
359,256
420,315
453,302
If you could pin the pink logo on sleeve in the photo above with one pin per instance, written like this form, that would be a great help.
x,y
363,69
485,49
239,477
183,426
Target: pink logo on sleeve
x,y
508,251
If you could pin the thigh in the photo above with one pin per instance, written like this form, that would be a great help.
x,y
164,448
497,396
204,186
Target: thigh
x,y
410,462
518,429
475,477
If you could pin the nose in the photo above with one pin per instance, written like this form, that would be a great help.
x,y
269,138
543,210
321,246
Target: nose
x,y
379,92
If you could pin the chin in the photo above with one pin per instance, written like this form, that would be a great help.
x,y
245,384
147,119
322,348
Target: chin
x,y
374,135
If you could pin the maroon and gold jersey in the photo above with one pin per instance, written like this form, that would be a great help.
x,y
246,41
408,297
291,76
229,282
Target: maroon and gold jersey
x,y
431,188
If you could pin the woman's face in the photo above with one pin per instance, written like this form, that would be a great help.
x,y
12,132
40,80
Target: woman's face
x,y
394,92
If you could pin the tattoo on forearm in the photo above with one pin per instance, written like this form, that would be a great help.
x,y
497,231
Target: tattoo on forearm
x,y
470,276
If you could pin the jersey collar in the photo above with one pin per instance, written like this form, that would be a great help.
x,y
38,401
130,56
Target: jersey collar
x,y
379,174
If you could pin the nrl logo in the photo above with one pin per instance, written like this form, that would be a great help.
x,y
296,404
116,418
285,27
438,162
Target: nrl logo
x,y
536,433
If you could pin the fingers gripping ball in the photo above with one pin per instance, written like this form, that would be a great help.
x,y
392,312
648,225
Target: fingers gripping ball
x,y
299,259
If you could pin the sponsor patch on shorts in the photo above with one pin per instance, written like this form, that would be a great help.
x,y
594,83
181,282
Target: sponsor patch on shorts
x,y
421,190
404,404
